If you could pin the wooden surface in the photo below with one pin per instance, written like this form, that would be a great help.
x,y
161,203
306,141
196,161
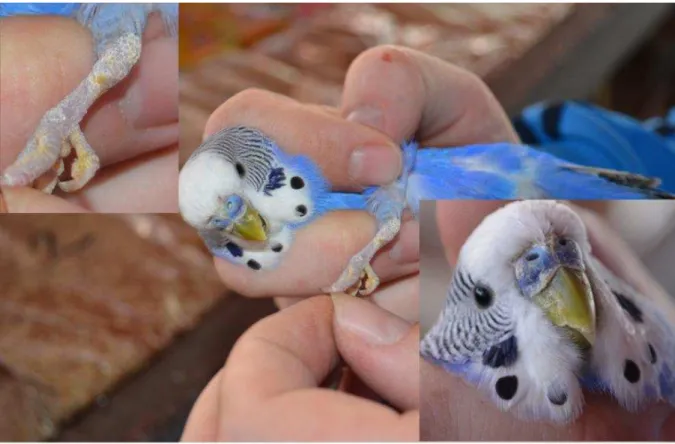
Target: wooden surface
x,y
153,405
86,300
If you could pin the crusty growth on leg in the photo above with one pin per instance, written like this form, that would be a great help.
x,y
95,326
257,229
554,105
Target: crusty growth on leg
x,y
358,278
60,124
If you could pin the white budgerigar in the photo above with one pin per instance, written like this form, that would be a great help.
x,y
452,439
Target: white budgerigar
x,y
532,317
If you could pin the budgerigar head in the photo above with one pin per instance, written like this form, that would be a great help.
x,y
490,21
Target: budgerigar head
x,y
531,255
519,309
246,196
210,196
520,320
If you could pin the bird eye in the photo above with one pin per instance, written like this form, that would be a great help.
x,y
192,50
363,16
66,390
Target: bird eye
x,y
562,241
532,257
229,205
482,295
240,170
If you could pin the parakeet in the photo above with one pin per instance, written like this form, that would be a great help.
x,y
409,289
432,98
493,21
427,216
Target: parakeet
x,y
280,193
531,317
117,30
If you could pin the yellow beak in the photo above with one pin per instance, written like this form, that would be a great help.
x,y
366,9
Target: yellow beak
x,y
568,302
250,226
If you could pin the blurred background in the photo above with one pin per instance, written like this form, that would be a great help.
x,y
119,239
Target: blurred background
x,y
647,226
110,326
621,56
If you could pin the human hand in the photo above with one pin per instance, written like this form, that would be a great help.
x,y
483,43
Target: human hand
x,y
133,127
390,93
453,410
270,388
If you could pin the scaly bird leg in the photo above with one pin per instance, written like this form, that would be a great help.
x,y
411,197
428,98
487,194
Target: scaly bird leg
x,y
386,204
359,279
43,150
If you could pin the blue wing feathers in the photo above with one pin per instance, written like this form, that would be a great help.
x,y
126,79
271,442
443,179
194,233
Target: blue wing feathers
x,y
64,9
591,136
505,171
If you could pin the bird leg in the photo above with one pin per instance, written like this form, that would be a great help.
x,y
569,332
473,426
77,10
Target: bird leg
x,y
386,204
60,125
359,279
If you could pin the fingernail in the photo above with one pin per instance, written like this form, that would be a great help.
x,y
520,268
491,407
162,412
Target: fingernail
x,y
373,324
372,117
375,165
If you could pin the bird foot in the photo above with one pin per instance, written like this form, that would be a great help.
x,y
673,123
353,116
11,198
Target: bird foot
x,y
366,284
58,131
85,165
359,279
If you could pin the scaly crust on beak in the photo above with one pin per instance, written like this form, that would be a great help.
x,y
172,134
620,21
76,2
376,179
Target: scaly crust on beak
x,y
568,302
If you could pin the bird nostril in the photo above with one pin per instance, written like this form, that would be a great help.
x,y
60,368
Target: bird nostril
x,y
301,210
562,241
531,257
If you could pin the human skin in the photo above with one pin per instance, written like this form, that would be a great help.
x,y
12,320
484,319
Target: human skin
x,y
270,388
133,128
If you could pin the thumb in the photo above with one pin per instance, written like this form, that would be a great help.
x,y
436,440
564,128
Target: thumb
x,y
381,348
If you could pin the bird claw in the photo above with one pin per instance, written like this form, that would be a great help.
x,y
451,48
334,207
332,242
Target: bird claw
x,y
356,279
41,153
84,167
359,278
59,128
30,165
366,284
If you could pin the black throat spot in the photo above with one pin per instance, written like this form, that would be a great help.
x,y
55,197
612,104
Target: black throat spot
x,y
503,354
629,307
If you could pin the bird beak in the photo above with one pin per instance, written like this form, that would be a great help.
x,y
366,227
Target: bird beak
x,y
568,302
553,276
251,226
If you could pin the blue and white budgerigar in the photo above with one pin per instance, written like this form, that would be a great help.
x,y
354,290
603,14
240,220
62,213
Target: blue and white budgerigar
x,y
117,30
531,317
274,193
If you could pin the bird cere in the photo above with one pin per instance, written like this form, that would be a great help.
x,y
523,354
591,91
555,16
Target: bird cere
x,y
117,30
531,317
